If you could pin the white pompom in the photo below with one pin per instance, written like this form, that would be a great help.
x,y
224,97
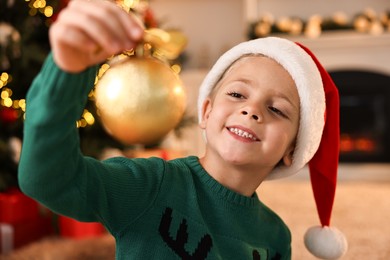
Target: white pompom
x,y
326,242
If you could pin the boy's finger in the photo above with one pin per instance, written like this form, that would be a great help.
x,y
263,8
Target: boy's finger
x,y
72,37
110,19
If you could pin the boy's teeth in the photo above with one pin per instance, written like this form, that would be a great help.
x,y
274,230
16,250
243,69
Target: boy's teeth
x,y
242,133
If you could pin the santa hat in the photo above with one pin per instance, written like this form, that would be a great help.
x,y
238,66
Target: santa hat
x,y
317,141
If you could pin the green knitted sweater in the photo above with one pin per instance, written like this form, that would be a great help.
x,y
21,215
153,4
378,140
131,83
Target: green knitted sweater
x,y
155,209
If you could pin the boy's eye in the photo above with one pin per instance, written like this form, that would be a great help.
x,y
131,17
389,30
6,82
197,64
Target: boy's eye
x,y
235,94
277,111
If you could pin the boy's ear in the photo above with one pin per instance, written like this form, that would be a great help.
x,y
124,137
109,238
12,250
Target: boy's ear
x,y
288,157
206,109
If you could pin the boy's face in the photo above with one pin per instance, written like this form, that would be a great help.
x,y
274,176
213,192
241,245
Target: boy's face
x,y
252,116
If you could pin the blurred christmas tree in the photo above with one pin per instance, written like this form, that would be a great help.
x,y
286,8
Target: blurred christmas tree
x,y
23,48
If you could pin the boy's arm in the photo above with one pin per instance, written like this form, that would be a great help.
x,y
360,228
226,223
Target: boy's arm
x,y
52,169
50,155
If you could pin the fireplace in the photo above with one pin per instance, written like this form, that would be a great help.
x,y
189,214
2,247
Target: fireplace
x,y
364,115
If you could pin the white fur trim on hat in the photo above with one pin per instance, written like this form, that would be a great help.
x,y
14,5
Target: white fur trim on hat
x,y
308,80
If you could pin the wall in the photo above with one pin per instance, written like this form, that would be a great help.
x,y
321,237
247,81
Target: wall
x,y
212,26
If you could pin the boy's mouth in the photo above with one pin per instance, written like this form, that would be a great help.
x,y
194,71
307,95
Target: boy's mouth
x,y
243,133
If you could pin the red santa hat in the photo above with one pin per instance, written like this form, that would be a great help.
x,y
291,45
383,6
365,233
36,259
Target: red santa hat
x,y
317,141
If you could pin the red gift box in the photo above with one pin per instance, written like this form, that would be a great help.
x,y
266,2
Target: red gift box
x,y
17,234
16,207
22,220
72,228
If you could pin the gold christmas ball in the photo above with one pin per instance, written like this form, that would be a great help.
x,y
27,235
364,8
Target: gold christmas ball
x,y
139,100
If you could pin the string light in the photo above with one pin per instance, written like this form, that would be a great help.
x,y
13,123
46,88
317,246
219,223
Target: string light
x,y
41,7
6,96
22,104
86,119
48,11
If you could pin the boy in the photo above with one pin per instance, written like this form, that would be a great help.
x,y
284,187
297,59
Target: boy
x,y
250,107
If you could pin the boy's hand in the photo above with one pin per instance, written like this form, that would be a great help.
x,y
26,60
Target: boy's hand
x,y
87,32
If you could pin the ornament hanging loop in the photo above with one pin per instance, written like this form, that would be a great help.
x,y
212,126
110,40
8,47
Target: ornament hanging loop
x,y
164,44
126,4
167,44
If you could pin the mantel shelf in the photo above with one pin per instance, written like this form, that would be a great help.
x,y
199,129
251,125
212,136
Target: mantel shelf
x,y
342,38
349,50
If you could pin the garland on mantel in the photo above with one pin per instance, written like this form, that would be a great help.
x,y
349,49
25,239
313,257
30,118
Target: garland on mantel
x,y
367,21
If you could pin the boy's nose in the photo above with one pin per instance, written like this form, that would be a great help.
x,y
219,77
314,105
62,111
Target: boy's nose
x,y
254,116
